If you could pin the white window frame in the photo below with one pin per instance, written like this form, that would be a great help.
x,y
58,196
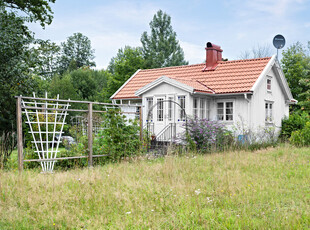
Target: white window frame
x,y
269,84
160,109
202,106
225,110
196,107
269,108
170,108
181,112
149,105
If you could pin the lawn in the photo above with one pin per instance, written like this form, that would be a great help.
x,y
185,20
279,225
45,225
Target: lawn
x,y
267,189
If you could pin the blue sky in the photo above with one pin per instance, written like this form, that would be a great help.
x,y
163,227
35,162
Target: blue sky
x,y
235,25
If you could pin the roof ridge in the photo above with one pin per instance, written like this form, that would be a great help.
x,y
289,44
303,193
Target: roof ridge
x,y
173,67
245,60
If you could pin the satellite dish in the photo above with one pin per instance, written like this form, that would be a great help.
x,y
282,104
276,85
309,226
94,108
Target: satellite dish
x,y
279,41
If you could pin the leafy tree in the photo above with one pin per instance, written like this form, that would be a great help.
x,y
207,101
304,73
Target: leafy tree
x,y
123,66
16,62
47,54
296,67
63,86
82,84
76,52
37,10
161,48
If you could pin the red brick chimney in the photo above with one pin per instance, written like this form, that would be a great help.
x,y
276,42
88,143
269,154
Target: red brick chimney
x,y
214,55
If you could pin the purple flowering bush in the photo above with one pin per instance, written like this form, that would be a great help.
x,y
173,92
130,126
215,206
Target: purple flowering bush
x,y
205,135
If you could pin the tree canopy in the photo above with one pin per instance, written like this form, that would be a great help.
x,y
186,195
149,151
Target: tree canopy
x,y
16,63
123,66
296,67
37,10
76,52
161,48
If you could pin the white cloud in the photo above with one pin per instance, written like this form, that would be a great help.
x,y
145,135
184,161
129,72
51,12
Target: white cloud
x,y
193,53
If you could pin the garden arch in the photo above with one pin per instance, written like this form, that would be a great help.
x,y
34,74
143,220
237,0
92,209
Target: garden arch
x,y
169,129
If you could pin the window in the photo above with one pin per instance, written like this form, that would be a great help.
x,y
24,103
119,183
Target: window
x,y
137,113
149,106
229,111
160,109
170,108
220,111
225,111
195,111
268,84
207,109
202,108
268,112
182,104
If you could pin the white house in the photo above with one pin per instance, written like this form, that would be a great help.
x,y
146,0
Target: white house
x,y
252,91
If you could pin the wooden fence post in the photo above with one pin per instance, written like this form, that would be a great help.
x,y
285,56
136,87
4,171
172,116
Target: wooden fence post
x,y
90,134
19,134
141,123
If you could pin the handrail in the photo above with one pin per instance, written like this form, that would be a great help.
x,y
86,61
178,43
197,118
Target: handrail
x,y
167,133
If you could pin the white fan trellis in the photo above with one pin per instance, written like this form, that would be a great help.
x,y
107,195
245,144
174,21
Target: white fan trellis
x,y
46,121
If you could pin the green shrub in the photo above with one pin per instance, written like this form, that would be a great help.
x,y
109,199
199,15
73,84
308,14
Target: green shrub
x,y
207,135
119,137
295,122
301,137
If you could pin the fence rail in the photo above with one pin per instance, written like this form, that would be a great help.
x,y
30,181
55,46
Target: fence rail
x,y
28,104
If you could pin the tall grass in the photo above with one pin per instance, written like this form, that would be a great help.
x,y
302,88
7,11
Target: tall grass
x,y
267,189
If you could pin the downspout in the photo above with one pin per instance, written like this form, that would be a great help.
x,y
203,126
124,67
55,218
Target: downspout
x,y
249,109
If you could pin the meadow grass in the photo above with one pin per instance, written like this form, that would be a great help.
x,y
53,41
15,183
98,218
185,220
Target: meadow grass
x,y
266,189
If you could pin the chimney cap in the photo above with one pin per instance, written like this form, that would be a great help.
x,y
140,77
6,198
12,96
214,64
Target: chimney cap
x,y
211,45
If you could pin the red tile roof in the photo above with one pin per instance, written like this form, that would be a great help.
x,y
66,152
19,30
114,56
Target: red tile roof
x,y
228,77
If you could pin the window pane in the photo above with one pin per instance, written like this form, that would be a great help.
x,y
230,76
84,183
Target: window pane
x,y
149,106
229,117
182,104
268,84
170,108
229,111
220,111
160,109
202,108
195,107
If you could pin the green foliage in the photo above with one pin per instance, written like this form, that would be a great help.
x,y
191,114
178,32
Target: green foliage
x,y
47,54
37,10
301,137
80,84
295,122
16,61
76,52
161,48
63,86
296,67
123,66
119,137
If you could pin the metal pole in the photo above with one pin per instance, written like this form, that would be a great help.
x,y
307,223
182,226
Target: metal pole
x,y
19,134
90,134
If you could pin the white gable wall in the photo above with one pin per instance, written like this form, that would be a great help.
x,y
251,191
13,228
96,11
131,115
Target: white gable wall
x,y
276,96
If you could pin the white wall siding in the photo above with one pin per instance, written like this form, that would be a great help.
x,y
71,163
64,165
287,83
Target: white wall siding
x,y
279,109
